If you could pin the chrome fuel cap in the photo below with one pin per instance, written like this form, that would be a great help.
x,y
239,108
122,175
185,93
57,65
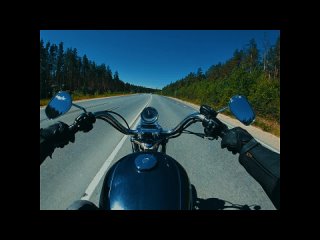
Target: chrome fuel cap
x,y
145,162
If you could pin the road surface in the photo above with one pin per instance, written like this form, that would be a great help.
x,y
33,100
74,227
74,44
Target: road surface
x,y
76,169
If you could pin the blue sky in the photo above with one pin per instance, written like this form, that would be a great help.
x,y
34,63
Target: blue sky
x,y
154,58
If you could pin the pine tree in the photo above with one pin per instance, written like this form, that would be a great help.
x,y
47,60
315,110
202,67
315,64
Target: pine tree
x,y
61,70
60,67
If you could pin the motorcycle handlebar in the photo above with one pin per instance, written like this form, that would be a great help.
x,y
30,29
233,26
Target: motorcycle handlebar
x,y
213,126
104,115
223,132
84,122
73,128
192,118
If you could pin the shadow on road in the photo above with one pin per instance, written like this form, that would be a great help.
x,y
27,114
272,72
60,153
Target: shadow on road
x,y
218,204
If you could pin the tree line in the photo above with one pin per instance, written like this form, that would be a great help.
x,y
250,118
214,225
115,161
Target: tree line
x,y
247,72
64,70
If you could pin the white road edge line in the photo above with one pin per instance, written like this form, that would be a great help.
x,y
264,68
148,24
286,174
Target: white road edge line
x,y
94,183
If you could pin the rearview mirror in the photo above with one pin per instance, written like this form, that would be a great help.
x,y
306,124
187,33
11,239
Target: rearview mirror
x,y
242,110
58,105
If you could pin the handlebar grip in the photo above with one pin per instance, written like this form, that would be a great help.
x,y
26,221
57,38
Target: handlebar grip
x,y
223,132
223,129
84,122
73,128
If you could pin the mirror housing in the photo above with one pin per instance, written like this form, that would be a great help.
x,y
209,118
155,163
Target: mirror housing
x,y
58,105
241,109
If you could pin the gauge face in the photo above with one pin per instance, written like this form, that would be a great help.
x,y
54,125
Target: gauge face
x,y
149,115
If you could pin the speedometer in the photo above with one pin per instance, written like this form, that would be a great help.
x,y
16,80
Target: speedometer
x,y
149,115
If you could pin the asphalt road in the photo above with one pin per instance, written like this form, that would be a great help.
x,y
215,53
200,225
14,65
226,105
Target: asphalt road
x,y
215,173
